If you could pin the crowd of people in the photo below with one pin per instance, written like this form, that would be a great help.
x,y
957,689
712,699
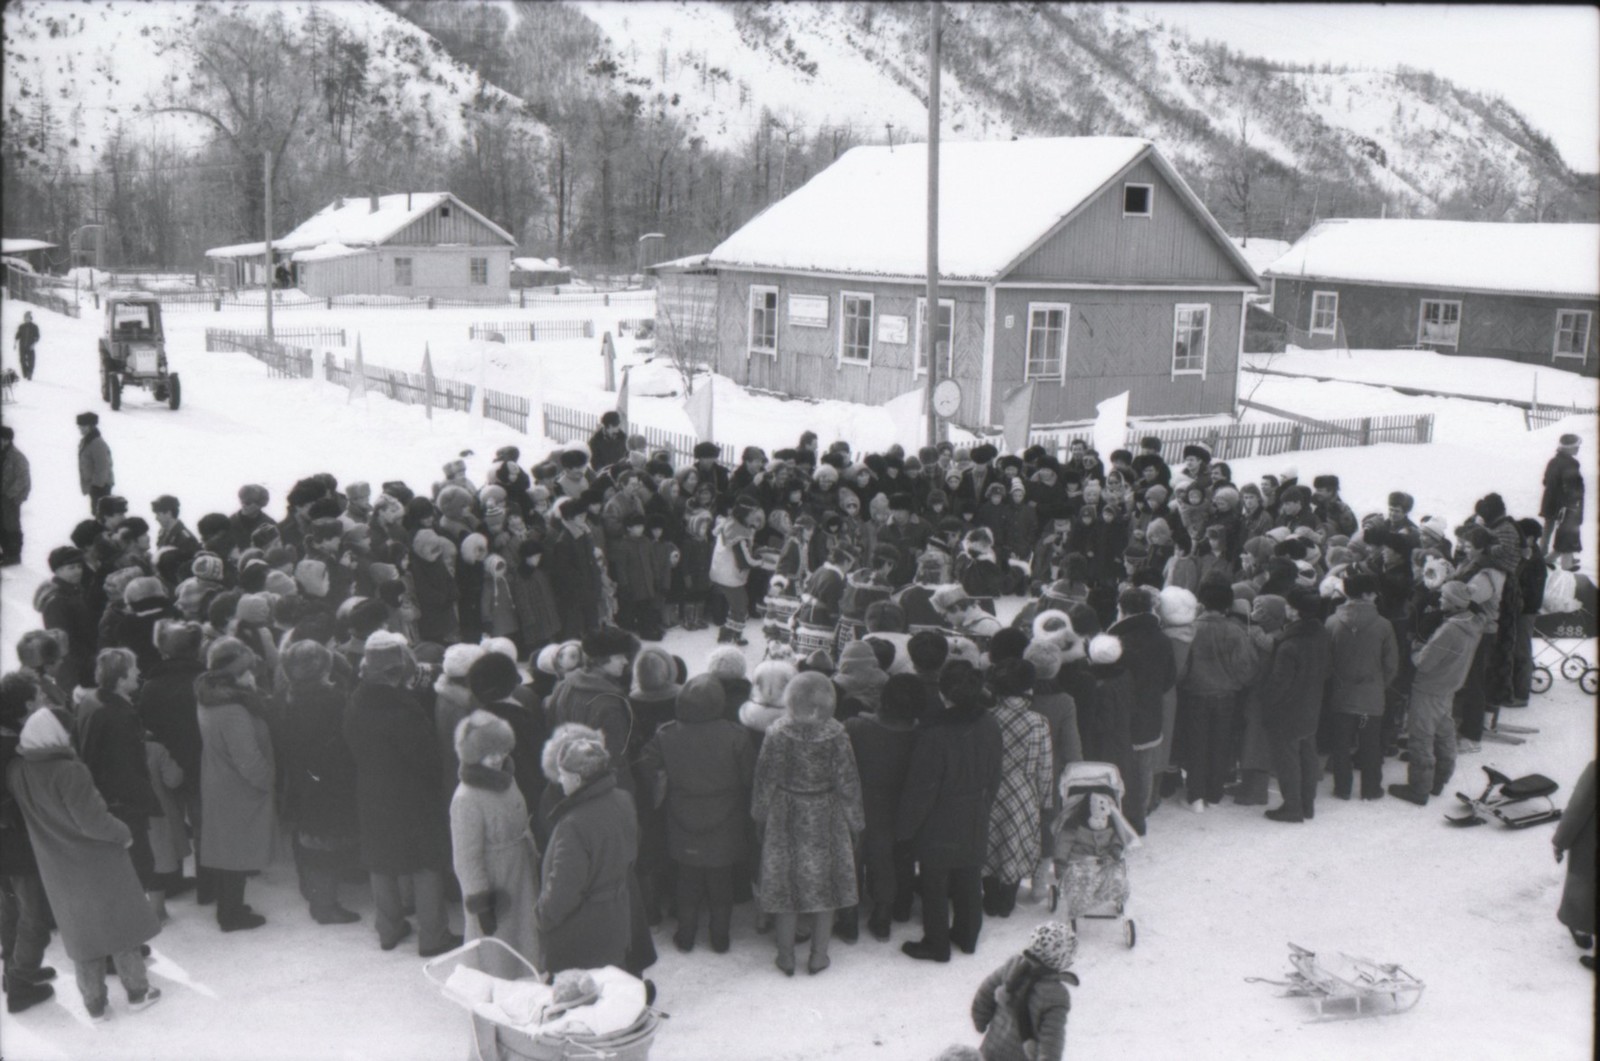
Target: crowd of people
x,y
458,694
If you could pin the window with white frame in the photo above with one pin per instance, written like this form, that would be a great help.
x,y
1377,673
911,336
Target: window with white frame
x,y
402,272
1047,340
1190,328
1439,323
479,268
942,338
1572,333
1136,199
855,327
1324,312
763,320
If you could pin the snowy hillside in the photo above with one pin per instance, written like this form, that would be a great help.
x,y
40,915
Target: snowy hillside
x,y
1405,138
95,68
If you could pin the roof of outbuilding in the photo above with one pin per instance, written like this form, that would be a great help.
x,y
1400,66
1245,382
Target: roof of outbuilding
x,y
353,222
867,213
1527,259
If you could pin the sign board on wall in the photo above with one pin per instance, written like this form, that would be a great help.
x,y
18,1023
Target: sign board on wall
x,y
893,329
808,311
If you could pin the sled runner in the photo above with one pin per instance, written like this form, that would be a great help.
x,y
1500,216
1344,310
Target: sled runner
x,y
1325,978
1516,803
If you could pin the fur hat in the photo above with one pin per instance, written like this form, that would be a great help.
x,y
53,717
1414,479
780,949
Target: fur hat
x,y
88,419
1215,596
1054,628
707,451
254,609
810,696
177,640
1045,656
312,577
385,656
230,655
65,556
493,677
429,545
281,585
1196,450
1012,677
481,735
1104,649
726,662
207,566
609,641
819,662
950,596
584,757
502,645
305,662
653,671
474,548
1270,612
458,660
1053,945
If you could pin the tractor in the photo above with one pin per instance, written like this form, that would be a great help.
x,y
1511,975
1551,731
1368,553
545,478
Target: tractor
x,y
133,351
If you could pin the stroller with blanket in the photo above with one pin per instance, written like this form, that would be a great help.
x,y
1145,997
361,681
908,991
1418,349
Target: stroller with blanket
x,y
1090,839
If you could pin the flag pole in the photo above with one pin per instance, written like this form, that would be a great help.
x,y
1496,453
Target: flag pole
x,y
930,323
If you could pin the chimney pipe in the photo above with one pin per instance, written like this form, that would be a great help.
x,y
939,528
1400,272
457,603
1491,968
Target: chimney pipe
x,y
373,206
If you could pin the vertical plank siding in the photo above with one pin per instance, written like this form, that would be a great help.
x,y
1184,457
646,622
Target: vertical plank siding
x,y
1100,245
1380,317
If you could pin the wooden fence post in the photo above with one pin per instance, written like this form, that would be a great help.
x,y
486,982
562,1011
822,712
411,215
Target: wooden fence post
x,y
1366,430
1295,434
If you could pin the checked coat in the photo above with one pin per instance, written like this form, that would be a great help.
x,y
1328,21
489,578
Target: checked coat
x,y
1026,768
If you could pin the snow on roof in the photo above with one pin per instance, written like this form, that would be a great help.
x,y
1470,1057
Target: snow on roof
x,y
325,252
1534,259
353,222
867,213
23,246
536,265
1260,253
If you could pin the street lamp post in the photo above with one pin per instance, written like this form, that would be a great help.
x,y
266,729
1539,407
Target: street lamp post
x,y
642,240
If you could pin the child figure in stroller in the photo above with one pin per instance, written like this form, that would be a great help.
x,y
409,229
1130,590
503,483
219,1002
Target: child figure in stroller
x,y
1091,838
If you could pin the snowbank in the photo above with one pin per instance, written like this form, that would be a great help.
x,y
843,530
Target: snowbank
x,y
1487,377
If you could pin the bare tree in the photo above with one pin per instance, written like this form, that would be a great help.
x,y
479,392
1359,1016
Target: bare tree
x,y
686,324
1237,174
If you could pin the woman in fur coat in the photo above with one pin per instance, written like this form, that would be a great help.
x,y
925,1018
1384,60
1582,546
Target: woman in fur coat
x,y
807,807
494,854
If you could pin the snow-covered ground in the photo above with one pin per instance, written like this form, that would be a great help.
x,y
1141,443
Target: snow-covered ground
x,y
1216,896
1483,377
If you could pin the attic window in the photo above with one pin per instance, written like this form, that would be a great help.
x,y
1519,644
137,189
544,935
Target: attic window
x,y
1136,200
444,211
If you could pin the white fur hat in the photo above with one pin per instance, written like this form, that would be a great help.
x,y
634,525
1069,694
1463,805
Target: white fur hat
x,y
1177,606
458,659
503,645
1104,648
1053,627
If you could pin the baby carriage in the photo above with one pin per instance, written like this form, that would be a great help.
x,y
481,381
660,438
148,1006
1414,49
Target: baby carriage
x,y
515,1021
1089,840
1564,630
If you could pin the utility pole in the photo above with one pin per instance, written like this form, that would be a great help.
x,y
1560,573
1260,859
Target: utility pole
x,y
930,324
267,197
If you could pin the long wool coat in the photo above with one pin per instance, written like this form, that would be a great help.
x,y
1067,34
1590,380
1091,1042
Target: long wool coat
x,y
497,863
82,854
1576,836
807,803
950,787
404,824
319,773
1025,782
585,910
707,765
237,821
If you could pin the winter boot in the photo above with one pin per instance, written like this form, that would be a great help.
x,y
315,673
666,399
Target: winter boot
x,y
732,633
847,923
721,922
786,933
819,943
21,995
878,923
669,616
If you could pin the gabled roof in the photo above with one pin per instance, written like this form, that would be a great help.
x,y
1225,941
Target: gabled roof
x,y
23,246
867,213
1477,256
351,222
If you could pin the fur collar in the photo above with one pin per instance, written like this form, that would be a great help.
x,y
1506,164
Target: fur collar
x,y
476,775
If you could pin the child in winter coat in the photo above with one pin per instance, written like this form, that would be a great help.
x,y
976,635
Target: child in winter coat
x,y
633,563
667,557
498,603
1022,1006
494,853
538,619
701,767
731,561
695,570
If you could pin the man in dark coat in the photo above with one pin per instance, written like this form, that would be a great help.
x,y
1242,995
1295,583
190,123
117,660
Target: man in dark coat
x,y
174,535
405,830
608,445
1148,659
1365,660
110,741
494,681
883,742
15,485
63,603
1291,704
975,480
167,707
574,571
24,912
1561,504
596,697
95,475
944,812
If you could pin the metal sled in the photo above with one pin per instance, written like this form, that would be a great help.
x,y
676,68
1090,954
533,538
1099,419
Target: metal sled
x,y
1515,803
1340,976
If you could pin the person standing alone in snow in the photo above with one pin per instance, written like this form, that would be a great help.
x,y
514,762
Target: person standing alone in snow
x,y
95,476
27,338
16,483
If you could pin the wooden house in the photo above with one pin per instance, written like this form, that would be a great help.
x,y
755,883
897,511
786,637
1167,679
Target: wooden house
x,y
411,245
1523,292
1083,263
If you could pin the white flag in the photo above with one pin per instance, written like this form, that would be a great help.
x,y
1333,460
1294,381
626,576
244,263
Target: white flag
x,y
908,413
358,376
699,406
1111,426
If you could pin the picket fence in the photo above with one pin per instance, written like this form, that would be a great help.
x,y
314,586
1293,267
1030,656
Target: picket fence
x,y
1260,438
217,337
282,360
1539,414
408,387
531,331
575,425
45,292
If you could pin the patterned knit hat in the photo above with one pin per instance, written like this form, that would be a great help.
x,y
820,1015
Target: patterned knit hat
x,y
1053,945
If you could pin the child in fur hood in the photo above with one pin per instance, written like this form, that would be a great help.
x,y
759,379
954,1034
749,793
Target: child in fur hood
x,y
1022,1007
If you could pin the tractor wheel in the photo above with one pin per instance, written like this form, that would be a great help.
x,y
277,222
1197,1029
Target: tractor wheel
x,y
105,385
174,392
116,392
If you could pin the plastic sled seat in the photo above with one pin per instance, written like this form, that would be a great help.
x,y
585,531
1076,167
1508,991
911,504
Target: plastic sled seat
x,y
1516,803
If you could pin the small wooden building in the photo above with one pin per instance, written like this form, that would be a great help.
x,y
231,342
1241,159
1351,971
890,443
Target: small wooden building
x,y
1083,263
1522,292
412,245
537,272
